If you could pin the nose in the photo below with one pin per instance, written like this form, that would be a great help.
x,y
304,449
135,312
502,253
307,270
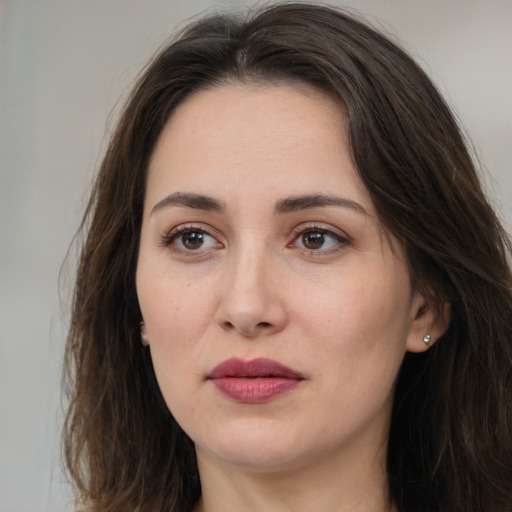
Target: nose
x,y
252,303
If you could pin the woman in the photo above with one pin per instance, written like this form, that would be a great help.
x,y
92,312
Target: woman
x,y
293,294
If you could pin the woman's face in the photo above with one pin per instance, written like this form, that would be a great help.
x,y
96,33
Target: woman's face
x,y
276,308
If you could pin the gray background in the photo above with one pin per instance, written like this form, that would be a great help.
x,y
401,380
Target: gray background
x,y
63,67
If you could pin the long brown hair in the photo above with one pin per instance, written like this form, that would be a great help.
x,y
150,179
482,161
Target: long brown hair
x,y
450,443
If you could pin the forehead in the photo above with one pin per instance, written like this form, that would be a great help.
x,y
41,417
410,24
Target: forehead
x,y
262,138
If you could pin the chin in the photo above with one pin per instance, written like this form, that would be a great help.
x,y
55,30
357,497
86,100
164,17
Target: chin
x,y
253,447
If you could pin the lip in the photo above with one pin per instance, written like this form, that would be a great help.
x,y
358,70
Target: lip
x,y
254,381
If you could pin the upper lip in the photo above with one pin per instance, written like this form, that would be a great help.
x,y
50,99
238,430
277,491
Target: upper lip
x,y
254,368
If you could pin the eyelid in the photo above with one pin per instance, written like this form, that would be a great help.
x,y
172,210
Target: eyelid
x,y
168,238
342,238
320,226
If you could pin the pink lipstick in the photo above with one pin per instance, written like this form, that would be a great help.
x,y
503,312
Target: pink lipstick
x,y
255,381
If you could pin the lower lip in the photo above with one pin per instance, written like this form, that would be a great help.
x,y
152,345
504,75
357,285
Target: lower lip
x,y
256,390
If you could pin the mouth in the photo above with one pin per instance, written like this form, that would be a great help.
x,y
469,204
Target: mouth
x,y
254,381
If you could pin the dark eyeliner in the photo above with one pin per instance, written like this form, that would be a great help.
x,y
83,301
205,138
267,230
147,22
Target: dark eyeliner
x,y
168,239
342,240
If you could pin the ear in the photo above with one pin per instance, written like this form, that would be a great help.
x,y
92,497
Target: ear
x,y
427,319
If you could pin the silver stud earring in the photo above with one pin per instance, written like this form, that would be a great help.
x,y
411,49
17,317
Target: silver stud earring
x,y
143,335
427,339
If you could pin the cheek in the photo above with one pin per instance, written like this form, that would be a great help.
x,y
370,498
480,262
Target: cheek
x,y
359,331
176,322
363,306
175,311
360,344
176,316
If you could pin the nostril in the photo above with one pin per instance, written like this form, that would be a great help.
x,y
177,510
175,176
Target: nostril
x,y
264,324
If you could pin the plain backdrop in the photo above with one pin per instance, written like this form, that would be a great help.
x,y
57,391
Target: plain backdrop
x,y
64,64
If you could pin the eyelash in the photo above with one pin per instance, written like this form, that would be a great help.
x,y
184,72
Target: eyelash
x,y
341,241
180,231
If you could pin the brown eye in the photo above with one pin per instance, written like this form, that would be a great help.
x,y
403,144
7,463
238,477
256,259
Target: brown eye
x,y
192,240
319,240
313,240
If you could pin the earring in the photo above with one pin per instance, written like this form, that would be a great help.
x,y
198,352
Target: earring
x,y
427,339
143,335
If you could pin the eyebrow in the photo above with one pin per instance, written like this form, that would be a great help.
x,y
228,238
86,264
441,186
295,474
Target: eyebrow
x,y
309,201
288,205
195,201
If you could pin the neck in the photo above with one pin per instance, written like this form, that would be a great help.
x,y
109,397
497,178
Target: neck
x,y
330,484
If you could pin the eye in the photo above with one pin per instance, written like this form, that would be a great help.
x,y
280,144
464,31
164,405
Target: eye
x,y
190,239
318,239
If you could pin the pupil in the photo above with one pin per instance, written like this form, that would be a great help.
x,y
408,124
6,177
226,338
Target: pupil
x,y
193,240
313,240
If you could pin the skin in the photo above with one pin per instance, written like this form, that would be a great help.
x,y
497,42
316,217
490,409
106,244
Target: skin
x,y
341,311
